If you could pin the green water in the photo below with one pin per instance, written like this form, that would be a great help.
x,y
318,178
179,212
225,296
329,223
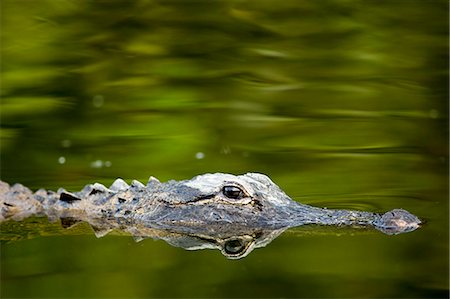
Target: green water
x,y
344,104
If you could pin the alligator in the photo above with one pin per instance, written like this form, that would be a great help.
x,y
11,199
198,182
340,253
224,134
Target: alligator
x,y
232,213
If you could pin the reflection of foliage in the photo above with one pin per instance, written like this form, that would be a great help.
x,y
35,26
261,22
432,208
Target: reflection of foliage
x,y
38,227
235,80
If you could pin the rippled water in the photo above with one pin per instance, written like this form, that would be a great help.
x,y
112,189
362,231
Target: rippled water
x,y
344,104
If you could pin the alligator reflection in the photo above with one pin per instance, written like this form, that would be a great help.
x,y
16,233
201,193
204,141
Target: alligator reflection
x,y
232,242
233,246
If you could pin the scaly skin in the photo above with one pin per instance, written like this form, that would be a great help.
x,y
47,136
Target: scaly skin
x,y
209,205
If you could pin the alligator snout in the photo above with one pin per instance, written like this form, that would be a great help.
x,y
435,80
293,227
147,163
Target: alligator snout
x,y
397,221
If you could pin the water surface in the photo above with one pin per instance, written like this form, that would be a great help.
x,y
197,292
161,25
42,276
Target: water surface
x,y
344,104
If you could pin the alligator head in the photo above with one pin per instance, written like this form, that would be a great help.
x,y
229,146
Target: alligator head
x,y
216,203
212,203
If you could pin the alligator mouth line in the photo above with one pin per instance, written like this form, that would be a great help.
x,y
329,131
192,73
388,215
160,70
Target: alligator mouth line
x,y
210,199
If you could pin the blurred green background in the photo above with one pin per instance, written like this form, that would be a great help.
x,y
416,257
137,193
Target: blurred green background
x,y
343,104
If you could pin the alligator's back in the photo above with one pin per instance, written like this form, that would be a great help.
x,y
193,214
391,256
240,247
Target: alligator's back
x,y
18,202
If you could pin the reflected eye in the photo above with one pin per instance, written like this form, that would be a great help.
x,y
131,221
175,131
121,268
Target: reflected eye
x,y
233,192
234,246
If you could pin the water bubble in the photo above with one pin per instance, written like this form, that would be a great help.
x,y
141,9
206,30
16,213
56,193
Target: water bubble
x,y
199,155
98,101
100,164
97,164
61,160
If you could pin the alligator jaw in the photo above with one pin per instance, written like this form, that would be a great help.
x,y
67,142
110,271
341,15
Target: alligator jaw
x,y
393,222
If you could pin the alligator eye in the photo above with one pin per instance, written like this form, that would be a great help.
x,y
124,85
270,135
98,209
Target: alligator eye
x,y
233,192
234,246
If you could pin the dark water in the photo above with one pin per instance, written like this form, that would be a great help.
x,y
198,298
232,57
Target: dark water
x,y
344,104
